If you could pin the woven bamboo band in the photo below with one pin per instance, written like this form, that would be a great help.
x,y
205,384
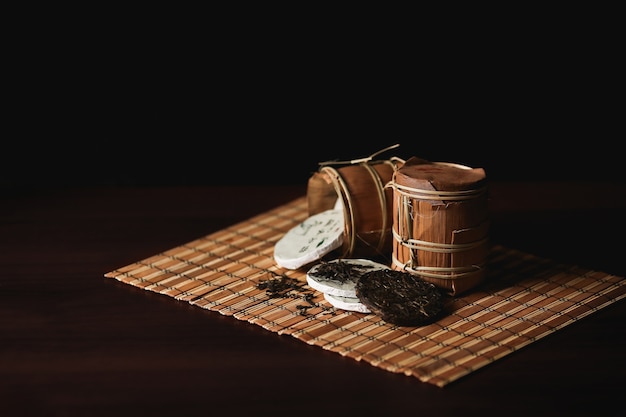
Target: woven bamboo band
x,y
360,160
436,195
437,247
437,271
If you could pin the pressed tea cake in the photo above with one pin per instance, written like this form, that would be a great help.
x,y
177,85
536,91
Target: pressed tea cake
x,y
399,297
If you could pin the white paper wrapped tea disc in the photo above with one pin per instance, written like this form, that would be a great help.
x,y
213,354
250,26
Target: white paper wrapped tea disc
x,y
339,276
310,240
347,303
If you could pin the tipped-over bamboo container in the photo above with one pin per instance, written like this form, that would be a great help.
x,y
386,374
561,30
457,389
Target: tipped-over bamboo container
x,y
440,223
360,188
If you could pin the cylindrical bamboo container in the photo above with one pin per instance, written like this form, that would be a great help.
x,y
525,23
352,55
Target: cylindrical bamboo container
x,y
440,223
361,190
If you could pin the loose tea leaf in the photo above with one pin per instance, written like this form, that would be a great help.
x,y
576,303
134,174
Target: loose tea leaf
x,y
283,286
279,286
341,271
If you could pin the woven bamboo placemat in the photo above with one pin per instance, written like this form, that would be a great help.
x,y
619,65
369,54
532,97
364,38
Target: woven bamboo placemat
x,y
523,299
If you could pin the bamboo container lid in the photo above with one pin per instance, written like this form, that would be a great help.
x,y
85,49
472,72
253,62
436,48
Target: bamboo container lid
x,y
440,223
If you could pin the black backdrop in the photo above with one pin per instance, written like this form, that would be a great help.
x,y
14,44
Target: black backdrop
x,y
129,124
168,148
259,104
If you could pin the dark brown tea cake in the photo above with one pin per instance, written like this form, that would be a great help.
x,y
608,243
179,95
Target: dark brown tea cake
x,y
399,297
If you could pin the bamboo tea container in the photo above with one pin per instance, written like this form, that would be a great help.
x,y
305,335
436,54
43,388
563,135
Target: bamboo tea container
x,y
440,223
359,187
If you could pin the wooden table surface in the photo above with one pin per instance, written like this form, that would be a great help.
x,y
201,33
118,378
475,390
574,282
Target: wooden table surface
x,y
74,343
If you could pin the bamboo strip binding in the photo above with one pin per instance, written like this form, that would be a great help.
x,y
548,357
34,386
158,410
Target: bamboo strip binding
x,y
440,223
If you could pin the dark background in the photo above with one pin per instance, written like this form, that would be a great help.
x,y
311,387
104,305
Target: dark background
x,y
162,143
194,151
157,109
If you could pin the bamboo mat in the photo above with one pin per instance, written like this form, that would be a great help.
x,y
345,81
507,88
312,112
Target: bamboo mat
x,y
524,299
